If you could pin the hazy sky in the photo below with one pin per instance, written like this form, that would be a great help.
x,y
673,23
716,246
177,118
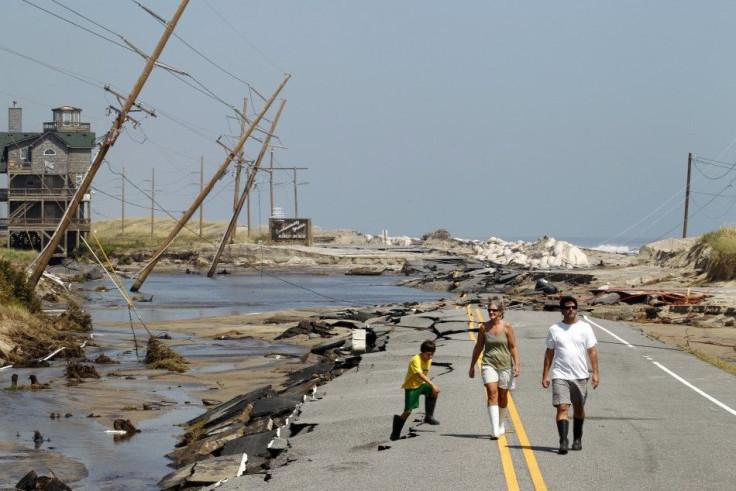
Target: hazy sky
x,y
486,118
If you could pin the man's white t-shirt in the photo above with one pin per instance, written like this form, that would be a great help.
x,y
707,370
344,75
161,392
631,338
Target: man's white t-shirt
x,y
571,344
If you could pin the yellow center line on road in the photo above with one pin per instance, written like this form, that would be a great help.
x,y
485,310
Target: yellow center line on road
x,y
512,482
531,461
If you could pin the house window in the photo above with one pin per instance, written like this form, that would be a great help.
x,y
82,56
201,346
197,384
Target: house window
x,y
49,151
24,155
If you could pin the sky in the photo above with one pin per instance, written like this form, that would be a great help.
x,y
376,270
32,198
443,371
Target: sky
x,y
487,119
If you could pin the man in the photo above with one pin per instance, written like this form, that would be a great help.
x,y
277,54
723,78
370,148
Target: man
x,y
569,345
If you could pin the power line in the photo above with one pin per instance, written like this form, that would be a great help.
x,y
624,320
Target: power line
x,y
206,58
81,78
226,22
202,88
81,27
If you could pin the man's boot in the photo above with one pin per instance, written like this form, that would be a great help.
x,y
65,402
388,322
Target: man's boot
x,y
577,433
398,424
562,426
429,404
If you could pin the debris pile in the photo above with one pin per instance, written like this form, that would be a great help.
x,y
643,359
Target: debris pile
x,y
159,355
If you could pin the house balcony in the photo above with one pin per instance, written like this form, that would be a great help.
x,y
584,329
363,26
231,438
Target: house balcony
x,y
22,223
15,167
67,126
37,194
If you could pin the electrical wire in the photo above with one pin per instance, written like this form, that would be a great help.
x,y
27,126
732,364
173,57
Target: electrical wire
x,y
80,26
206,58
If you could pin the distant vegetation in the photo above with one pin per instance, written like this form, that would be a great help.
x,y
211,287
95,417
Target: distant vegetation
x,y
137,234
721,265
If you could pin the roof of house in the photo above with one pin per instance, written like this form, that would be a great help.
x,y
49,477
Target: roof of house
x,y
76,140
70,139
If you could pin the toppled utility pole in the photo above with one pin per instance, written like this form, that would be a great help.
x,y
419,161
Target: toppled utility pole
x,y
48,252
251,177
203,193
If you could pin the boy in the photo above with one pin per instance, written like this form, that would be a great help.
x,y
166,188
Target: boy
x,y
415,384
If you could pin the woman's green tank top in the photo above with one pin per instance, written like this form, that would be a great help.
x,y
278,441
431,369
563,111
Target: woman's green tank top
x,y
496,352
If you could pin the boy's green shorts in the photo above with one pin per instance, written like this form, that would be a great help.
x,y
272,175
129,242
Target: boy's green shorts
x,y
411,396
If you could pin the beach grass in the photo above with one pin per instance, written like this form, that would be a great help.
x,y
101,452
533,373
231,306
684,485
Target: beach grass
x,y
137,233
15,289
721,266
19,258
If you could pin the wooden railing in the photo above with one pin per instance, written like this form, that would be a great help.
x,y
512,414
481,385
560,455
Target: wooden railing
x,y
40,194
46,222
61,126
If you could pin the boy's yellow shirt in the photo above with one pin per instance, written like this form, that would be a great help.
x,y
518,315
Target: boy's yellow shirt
x,y
416,366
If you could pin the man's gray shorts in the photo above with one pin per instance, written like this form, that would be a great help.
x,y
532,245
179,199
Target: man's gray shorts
x,y
569,391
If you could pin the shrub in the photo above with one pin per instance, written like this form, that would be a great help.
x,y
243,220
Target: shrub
x,y
15,289
721,265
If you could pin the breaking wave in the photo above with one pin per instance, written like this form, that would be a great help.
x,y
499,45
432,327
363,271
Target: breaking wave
x,y
616,249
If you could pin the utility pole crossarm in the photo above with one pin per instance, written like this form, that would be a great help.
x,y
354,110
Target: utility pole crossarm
x,y
108,142
203,194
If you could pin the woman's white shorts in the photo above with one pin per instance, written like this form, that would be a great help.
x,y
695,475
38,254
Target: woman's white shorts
x,y
504,378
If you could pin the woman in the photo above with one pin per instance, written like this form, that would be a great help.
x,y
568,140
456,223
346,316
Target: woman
x,y
500,363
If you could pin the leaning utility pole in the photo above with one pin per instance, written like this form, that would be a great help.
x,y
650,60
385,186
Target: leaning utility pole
x,y
251,177
109,141
687,193
199,199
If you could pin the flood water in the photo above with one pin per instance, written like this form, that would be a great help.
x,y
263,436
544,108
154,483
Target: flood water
x,y
78,445
188,296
